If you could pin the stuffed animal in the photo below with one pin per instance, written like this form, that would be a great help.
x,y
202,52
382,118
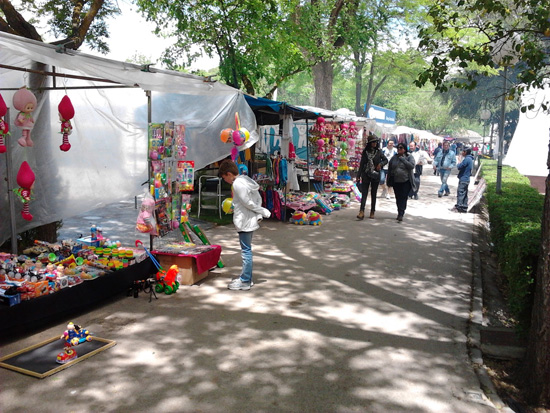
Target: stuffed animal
x,y
25,102
66,113
4,127
25,179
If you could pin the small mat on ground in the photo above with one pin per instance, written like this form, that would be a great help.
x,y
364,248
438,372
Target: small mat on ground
x,y
40,360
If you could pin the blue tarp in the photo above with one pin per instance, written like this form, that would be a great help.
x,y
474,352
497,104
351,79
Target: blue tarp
x,y
270,112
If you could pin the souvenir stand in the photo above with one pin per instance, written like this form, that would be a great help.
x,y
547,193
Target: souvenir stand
x,y
165,208
278,173
81,142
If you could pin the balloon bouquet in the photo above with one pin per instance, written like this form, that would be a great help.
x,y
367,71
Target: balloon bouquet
x,y
238,137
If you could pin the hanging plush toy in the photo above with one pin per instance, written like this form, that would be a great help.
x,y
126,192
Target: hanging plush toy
x,y
4,127
66,113
25,102
25,179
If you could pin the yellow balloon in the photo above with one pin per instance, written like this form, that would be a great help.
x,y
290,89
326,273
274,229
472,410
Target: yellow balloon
x,y
227,205
246,134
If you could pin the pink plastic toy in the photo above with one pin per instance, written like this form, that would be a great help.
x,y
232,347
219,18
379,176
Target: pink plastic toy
x,y
25,102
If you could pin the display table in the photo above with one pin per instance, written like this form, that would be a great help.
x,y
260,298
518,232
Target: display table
x,y
68,301
193,266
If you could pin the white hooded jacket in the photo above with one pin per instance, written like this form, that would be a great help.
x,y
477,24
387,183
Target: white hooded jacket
x,y
247,205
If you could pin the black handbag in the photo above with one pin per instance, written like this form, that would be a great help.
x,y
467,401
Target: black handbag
x,y
374,175
389,180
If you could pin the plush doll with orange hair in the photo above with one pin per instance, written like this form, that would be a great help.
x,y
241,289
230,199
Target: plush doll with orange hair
x,y
25,102
4,127
25,179
66,113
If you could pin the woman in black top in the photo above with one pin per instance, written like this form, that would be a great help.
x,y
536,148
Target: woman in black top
x,y
372,160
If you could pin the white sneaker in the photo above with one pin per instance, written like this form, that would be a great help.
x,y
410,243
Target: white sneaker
x,y
388,196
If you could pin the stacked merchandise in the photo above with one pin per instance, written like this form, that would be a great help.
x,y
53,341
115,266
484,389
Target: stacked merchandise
x,y
47,268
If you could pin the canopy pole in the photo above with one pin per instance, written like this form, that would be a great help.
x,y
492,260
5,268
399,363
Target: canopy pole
x,y
149,120
307,156
11,195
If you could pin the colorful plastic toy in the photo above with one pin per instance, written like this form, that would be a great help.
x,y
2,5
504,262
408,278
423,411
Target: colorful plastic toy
x,y
66,113
4,127
73,336
314,218
299,218
167,280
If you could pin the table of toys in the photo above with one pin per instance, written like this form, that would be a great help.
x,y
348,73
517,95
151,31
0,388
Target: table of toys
x,y
53,279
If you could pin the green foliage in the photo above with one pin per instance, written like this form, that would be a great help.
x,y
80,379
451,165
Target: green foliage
x,y
253,43
515,217
476,36
82,22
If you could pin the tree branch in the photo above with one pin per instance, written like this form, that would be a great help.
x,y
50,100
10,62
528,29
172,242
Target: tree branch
x,y
17,23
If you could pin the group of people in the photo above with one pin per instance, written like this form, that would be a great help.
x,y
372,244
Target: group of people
x,y
400,169
393,168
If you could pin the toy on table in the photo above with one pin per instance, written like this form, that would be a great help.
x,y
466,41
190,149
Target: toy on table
x,y
25,179
66,113
4,127
72,337
25,102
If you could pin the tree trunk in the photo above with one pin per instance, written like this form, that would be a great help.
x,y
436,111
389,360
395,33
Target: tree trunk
x,y
358,85
323,75
536,366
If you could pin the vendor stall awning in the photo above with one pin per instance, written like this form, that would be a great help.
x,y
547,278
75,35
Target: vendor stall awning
x,y
271,112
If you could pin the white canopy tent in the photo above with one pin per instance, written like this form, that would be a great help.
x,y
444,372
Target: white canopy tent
x,y
528,151
113,101
420,134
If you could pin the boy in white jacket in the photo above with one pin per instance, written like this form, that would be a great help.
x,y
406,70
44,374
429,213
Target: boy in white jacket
x,y
247,213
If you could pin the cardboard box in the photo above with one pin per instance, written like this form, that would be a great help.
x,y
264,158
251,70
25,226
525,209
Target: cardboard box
x,y
186,265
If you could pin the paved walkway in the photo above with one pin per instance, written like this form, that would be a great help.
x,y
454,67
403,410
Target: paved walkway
x,y
352,316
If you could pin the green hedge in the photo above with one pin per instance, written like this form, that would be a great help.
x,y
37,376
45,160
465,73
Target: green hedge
x,y
515,219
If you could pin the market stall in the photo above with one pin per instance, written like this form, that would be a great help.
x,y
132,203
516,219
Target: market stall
x,y
109,109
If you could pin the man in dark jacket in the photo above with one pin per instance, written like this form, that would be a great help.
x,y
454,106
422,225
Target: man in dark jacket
x,y
464,172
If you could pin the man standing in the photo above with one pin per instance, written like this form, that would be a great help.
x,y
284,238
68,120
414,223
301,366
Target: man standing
x,y
444,162
464,172
389,151
421,158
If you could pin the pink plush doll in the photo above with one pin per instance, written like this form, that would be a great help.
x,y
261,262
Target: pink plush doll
x,y
4,127
25,102
66,113
25,179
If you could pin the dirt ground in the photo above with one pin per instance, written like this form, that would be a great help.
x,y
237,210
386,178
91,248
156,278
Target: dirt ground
x,y
504,373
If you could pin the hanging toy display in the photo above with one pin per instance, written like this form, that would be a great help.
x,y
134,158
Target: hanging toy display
x,y
25,179
25,102
4,127
66,113
238,137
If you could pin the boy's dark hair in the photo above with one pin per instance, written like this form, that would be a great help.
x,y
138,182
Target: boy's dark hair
x,y
228,166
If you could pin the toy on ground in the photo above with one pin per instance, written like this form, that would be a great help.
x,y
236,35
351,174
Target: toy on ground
x,y
25,179
72,337
167,280
299,218
4,127
25,102
314,218
66,113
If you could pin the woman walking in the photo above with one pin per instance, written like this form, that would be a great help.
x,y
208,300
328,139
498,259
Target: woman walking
x,y
400,176
372,161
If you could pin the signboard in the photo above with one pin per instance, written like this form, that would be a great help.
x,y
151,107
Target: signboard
x,y
381,115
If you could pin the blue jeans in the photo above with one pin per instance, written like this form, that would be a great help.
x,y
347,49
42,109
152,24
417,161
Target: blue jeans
x,y
444,175
462,196
245,238
383,173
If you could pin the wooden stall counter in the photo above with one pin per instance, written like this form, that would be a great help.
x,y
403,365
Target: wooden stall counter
x,y
193,263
